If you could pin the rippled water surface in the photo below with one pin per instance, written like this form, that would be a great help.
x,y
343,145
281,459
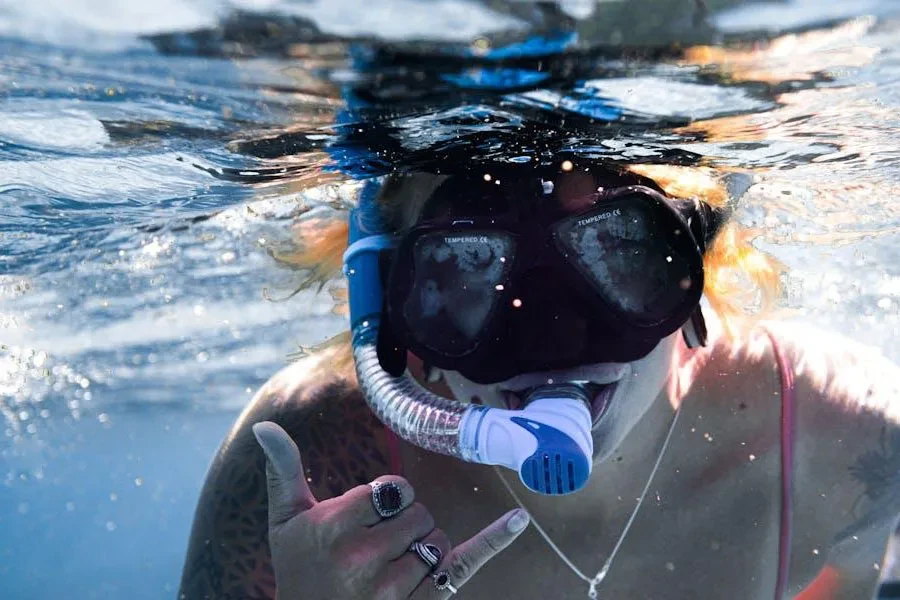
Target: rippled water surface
x,y
154,156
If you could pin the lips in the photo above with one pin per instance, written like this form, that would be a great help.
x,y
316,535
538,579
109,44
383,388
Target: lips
x,y
602,398
601,393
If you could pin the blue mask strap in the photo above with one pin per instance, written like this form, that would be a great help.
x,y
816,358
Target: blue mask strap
x,y
367,238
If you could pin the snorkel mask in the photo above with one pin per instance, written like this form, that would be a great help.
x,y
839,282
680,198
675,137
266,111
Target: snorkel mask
x,y
499,281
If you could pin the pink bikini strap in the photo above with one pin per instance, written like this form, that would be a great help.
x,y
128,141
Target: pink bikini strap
x,y
788,421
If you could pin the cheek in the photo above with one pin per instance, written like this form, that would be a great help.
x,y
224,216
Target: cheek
x,y
639,389
649,375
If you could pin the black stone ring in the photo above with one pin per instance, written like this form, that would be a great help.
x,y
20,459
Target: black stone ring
x,y
429,553
442,582
386,498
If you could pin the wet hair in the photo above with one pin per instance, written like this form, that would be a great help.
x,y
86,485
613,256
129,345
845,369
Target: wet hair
x,y
741,281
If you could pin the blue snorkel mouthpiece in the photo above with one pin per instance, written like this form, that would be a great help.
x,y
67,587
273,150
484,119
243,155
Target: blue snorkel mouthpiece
x,y
548,442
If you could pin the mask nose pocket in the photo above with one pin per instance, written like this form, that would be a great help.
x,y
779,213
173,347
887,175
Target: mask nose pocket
x,y
545,322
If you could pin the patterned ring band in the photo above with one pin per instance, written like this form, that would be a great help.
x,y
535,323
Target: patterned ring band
x,y
429,553
442,581
386,498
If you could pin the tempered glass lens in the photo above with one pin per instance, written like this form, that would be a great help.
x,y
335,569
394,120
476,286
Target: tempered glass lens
x,y
629,257
457,281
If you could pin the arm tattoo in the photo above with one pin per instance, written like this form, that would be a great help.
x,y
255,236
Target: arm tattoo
x,y
342,445
879,469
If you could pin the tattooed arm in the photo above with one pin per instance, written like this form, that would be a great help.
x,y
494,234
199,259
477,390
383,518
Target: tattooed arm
x,y
342,445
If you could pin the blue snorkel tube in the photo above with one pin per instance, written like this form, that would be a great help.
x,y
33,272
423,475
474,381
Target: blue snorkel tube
x,y
548,442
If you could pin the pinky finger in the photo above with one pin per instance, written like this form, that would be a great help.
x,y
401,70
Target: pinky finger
x,y
466,559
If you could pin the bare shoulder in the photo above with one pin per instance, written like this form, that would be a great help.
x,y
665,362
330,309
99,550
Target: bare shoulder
x,y
846,442
847,404
853,377
317,402
847,456
835,376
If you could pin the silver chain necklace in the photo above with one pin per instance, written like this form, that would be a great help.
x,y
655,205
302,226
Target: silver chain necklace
x,y
594,581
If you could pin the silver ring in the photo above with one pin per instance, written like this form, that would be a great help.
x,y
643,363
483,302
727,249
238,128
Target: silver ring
x,y
386,498
442,581
429,553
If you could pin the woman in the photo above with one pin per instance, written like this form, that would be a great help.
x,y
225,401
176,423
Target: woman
x,y
742,463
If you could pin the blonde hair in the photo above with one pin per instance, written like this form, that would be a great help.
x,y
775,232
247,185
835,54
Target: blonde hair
x,y
742,282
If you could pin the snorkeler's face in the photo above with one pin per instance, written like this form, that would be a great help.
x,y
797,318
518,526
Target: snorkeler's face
x,y
626,392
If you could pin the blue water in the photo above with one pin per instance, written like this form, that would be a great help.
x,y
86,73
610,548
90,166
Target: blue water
x,y
138,207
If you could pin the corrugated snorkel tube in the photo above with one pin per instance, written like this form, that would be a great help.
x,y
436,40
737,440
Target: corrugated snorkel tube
x,y
548,443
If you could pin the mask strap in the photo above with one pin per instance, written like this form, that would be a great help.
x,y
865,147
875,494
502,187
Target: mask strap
x,y
391,351
694,331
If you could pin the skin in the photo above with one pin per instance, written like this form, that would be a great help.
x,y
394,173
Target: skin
x,y
708,527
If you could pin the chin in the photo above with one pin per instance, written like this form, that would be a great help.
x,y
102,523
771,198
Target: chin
x,y
635,393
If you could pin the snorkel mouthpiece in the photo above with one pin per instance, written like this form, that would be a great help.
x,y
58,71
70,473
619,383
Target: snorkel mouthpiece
x,y
548,443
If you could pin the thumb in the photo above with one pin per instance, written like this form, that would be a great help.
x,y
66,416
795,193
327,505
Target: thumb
x,y
289,494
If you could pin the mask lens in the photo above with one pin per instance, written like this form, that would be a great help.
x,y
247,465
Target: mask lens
x,y
627,251
455,287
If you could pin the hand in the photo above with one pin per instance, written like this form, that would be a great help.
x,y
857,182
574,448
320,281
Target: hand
x,y
342,548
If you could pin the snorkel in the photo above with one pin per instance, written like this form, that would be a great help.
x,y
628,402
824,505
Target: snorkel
x,y
548,443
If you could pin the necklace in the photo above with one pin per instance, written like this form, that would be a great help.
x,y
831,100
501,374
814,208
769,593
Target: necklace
x,y
597,579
